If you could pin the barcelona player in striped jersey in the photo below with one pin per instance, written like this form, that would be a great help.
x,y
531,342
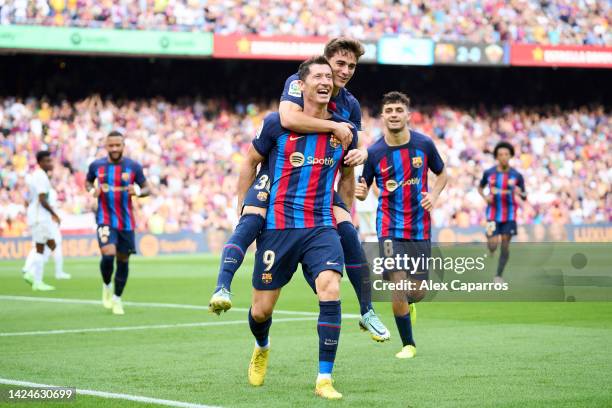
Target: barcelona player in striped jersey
x,y
342,54
300,223
504,183
400,162
114,180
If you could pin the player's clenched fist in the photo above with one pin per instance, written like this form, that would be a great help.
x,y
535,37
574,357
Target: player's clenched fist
x,y
361,189
429,201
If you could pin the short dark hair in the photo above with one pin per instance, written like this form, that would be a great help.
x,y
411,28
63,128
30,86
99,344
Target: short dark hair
x,y
114,133
503,145
304,69
43,154
343,44
396,97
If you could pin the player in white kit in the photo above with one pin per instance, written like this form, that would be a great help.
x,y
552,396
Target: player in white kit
x,y
41,219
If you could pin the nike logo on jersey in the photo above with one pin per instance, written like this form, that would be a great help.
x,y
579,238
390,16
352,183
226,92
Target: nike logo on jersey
x,y
385,169
332,263
293,138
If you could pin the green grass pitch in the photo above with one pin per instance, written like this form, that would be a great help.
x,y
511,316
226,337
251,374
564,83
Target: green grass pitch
x,y
470,354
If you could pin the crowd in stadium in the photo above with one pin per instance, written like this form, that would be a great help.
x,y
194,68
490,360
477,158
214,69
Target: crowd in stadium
x,y
191,151
529,21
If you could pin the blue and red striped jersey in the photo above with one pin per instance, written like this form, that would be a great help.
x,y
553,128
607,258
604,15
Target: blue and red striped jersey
x,y
114,203
344,104
502,187
401,177
302,171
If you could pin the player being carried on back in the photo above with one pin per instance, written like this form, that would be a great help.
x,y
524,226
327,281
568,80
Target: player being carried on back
x,y
399,162
342,54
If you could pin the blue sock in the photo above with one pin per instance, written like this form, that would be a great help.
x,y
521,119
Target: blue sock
x,y
260,330
121,277
356,265
329,333
404,326
106,268
503,259
232,256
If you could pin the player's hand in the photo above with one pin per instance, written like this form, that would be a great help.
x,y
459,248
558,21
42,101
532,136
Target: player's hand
x,y
355,157
56,219
429,201
344,133
361,189
133,191
490,199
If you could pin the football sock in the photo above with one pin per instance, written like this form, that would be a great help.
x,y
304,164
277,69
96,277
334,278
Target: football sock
x,y
503,259
356,265
260,330
106,268
121,277
328,329
232,256
404,326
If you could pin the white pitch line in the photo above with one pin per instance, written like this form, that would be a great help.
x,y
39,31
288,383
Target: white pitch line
x,y
111,395
148,327
153,304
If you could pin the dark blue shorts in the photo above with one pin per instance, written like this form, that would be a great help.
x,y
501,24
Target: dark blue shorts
x,y
124,241
417,250
258,194
501,228
279,252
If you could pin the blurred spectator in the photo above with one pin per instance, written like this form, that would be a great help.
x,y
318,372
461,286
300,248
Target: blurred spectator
x,y
191,152
529,21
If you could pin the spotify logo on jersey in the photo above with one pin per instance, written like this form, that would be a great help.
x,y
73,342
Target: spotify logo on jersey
x,y
296,159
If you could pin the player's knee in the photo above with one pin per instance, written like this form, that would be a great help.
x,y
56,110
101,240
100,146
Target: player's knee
x,y
416,295
328,285
123,257
108,250
250,209
341,215
261,312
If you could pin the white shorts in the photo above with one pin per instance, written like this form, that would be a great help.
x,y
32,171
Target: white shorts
x,y
43,232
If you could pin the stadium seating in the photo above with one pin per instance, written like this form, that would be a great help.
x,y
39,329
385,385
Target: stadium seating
x,y
191,152
528,21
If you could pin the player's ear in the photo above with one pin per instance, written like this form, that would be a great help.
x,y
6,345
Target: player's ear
x,y
302,85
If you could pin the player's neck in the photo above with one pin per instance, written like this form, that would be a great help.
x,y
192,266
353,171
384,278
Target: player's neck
x,y
502,168
111,161
335,91
317,111
397,138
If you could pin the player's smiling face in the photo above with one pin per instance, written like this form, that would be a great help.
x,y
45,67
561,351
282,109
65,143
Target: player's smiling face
x,y
395,116
318,85
343,64
114,147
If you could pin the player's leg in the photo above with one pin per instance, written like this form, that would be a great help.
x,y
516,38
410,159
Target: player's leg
x,y
260,321
276,260
251,223
402,311
322,264
42,237
29,262
126,245
107,240
358,271
492,236
503,256
58,255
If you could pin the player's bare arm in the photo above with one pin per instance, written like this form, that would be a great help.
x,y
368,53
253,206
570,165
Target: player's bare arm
x,y
485,197
42,199
346,185
92,189
248,171
356,157
145,190
430,198
292,117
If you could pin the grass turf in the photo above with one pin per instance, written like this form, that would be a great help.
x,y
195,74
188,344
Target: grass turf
x,y
470,354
